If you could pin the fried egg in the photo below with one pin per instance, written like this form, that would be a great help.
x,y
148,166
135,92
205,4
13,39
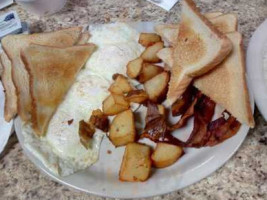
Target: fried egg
x,y
60,150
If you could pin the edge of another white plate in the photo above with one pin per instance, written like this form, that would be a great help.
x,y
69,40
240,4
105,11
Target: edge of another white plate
x,y
255,67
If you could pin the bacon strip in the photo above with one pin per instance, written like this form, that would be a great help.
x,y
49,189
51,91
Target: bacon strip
x,y
204,110
186,116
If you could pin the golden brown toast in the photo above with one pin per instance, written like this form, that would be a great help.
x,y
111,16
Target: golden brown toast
x,y
226,84
225,23
13,44
84,38
52,71
10,92
199,48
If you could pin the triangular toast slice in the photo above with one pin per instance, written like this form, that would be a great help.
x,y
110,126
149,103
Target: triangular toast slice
x,y
83,38
199,48
226,84
10,91
13,44
52,72
224,22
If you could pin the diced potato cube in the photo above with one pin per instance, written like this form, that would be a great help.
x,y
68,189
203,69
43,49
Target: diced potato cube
x,y
149,71
120,85
156,87
86,133
166,154
122,129
114,104
137,96
134,67
148,39
150,53
136,163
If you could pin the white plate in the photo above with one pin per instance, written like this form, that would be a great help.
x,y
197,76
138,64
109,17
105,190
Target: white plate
x,y
5,128
255,53
102,178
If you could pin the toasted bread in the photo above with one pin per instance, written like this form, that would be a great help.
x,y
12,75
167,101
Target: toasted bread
x,y
224,22
166,55
1,67
84,38
226,84
211,15
13,44
200,47
10,92
52,71
169,32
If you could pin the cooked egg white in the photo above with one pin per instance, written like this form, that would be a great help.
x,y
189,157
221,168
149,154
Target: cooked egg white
x,y
60,150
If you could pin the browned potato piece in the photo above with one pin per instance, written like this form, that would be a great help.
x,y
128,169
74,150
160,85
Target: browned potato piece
x,y
136,163
150,53
148,39
120,86
122,130
156,87
86,132
114,104
149,71
166,154
134,67
137,96
162,110
99,120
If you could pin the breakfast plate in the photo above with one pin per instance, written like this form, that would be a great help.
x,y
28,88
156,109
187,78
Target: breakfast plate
x,y
102,177
257,69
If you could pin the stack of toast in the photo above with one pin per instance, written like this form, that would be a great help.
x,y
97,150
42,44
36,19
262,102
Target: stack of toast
x,y
38,70
207,51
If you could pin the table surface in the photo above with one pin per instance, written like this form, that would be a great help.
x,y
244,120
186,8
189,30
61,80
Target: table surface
x,y
244,176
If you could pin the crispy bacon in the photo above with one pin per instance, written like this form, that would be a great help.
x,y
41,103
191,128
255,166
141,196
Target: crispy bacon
x,y
189,113
156,127
222,129
204,110
184,102
205,131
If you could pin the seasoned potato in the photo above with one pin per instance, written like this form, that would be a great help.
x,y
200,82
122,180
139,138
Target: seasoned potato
x,y
156,87
136,163
120,85
166,154
137,96
86,132
162,110
148,39
150,53
122,130
149,71
114,104
134,67
99,120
